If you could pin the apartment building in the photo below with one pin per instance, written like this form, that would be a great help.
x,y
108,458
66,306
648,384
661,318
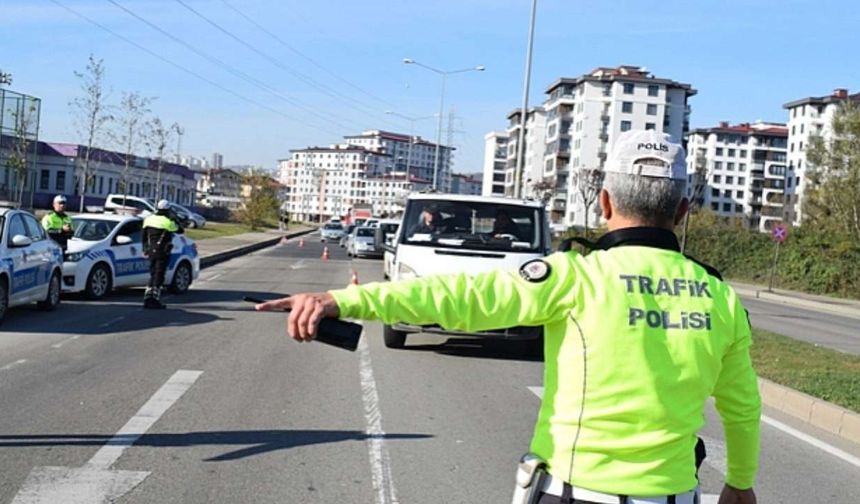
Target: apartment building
x,y
219,188
408,154
584,116
745,170
464,183
535,147
495,163
811,116
387,193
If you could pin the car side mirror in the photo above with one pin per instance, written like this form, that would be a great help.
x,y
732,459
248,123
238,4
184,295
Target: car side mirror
x,y
123,240
21,241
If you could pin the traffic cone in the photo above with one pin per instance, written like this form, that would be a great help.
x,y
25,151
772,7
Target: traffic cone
x,y
325,254
301,242
354,278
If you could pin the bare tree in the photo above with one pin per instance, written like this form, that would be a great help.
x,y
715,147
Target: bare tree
x,y
129,132
91,115
697,196
587,182
158,138
25,117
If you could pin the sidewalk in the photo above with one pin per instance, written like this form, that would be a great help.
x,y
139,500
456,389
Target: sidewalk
x,y
844,307
215,250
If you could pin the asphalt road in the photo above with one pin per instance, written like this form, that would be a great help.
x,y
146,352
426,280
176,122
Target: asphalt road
x,y
256,417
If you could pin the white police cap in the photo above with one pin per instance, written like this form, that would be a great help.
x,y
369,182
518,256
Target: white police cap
x,y
163,204
647,153
59,198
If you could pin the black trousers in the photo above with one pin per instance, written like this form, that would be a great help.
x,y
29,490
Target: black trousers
x,y
157,269
555,499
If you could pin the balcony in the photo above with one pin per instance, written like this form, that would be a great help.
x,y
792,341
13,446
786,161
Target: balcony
x,y
604,135
559,205
772,212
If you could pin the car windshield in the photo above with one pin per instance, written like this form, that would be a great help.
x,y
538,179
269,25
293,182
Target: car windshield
x,y
365,232
92,229
332,226
473,225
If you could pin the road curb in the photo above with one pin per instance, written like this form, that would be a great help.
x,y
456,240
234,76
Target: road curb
x,y
219,257
835,309
816,412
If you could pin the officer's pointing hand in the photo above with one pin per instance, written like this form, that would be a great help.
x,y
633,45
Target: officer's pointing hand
x,y
306,312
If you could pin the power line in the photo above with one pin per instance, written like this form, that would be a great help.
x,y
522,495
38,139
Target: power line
x,y
224,65
180,67
303,55
304,78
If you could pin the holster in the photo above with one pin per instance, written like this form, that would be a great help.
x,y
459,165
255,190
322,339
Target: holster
x,y
531,472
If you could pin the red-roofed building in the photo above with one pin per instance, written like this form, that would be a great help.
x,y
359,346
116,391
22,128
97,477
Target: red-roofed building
x,y
740,171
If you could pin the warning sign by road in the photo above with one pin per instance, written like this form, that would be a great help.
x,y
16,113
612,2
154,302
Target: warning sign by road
x,y
780,232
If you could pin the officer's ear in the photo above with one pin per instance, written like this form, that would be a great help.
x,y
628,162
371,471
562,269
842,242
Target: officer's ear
x,y
605,204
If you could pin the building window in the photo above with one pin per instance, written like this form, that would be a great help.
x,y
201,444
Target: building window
x,y
727,207
739,194
627,107
730,180
715,206
628,88
743,153
742,180
653,90
719,151
718,165
731,153
742,167
715,192
651,109
730,166
718,178
44,179
792,130
626,125
61,181
739,208
650,126
727,193
800,146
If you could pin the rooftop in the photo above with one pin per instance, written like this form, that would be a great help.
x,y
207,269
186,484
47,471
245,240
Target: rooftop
x,y
756,128
838,95
622,73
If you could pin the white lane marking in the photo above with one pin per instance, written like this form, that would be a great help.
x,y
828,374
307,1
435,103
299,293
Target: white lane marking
x,y
821,445
719,458
112,321
298,265
95,482
13,364
380,463
67,340
213,277
148,414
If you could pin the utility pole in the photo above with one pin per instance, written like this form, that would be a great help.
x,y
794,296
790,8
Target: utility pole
x,y
521,149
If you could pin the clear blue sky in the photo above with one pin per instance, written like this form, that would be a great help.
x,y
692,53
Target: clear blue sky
x,y
746,58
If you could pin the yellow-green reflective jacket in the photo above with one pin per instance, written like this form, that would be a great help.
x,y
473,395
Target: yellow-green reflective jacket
x,y
636,338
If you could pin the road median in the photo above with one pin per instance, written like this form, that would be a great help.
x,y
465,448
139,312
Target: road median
x,y
235,249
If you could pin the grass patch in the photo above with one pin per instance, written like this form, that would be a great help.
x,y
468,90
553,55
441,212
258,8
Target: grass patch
x,y
817,371
218,229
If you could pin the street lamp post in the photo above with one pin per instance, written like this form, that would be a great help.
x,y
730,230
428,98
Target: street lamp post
x,y
444,74
521,148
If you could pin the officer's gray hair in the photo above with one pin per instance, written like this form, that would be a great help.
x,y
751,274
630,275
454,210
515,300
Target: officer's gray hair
x,y
653,200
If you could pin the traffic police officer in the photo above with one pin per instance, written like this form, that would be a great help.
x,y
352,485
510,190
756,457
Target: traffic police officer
x,y
158,231
57,223
637,337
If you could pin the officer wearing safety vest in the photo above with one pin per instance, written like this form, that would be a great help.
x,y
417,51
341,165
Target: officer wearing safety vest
x,y
637,337
158,231
57,222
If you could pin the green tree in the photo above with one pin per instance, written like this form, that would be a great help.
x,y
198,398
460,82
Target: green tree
x,y
25,117
130,131
832,198
91,116
261,202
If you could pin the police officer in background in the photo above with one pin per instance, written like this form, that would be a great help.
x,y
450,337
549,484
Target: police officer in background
x,y
637,336
57,222
158,231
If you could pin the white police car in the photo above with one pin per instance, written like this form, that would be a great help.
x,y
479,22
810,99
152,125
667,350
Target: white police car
x,y
30,263
107,252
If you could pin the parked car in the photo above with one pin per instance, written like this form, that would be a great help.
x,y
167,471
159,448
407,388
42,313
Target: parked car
x,y
346,232
30,263
332,231
189,218
123,203
363,243
107,252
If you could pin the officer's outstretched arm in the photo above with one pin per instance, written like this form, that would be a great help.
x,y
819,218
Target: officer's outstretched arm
x,y
537,294
739,405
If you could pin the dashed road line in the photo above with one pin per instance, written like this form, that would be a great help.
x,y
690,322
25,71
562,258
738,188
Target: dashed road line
x,y
112,321
13,364
61,344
